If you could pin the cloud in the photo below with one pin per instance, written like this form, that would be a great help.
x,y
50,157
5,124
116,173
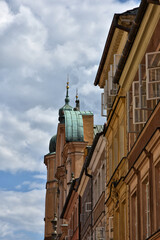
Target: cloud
x,y
17,210
30,185
43,116
40,176
23,39
40,43
88,89
5,16
22,146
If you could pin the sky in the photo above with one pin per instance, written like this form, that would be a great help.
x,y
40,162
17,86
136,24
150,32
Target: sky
x,y
41,42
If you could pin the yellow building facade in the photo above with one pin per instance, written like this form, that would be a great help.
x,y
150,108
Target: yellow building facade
x,y
129,72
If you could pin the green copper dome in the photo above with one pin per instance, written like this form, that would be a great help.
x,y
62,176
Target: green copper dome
x,y
73,120
73,126
62,110
52,144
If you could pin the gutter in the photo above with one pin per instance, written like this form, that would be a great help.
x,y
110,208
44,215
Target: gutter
x,y
131,37
112,113
91,177
113,27
88,158
68,197
106,49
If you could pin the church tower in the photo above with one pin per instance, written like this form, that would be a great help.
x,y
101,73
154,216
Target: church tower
x,y
67,151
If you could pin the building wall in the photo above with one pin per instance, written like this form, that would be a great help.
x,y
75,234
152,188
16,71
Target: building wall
x,y
143,180
86,205
51,193
88,128
125,200
122,136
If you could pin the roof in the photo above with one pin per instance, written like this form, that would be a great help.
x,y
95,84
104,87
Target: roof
x,y
115,24
131,37
88,158
68,197
52,144
73,126
73,120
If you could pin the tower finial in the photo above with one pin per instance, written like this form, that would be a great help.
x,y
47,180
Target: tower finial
x,y
67,87
77,108
76,93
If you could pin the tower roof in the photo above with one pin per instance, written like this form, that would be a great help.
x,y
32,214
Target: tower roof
x,y
52,144
73,120
66,107
73,126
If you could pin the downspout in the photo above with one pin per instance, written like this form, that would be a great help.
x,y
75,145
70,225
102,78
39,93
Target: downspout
x,y
136,171
90,176
149,155
114,183
79,214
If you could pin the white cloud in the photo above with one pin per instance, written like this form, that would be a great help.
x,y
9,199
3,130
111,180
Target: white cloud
x,y
31,185
23,40
88,88
22,146
40,176
5,16
41,115
40,43
21,211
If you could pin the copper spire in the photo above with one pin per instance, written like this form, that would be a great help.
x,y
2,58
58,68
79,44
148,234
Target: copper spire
x,y
67,87
77,108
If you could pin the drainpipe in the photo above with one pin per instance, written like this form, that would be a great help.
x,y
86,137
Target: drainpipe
x,y
136,171
149,155
91,177
79,214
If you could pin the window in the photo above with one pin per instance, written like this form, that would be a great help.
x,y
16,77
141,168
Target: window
x,y
123,216
157,187
113,88
103,178
88,207
134,216
95,192
103,108
99,186
121,140
100,233
140,111
106,100
75,218
146,209
110,228
153,75
110,161
116,223
115,150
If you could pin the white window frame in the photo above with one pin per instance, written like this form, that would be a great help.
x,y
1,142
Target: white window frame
x,y
115,64
88,206
149,82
